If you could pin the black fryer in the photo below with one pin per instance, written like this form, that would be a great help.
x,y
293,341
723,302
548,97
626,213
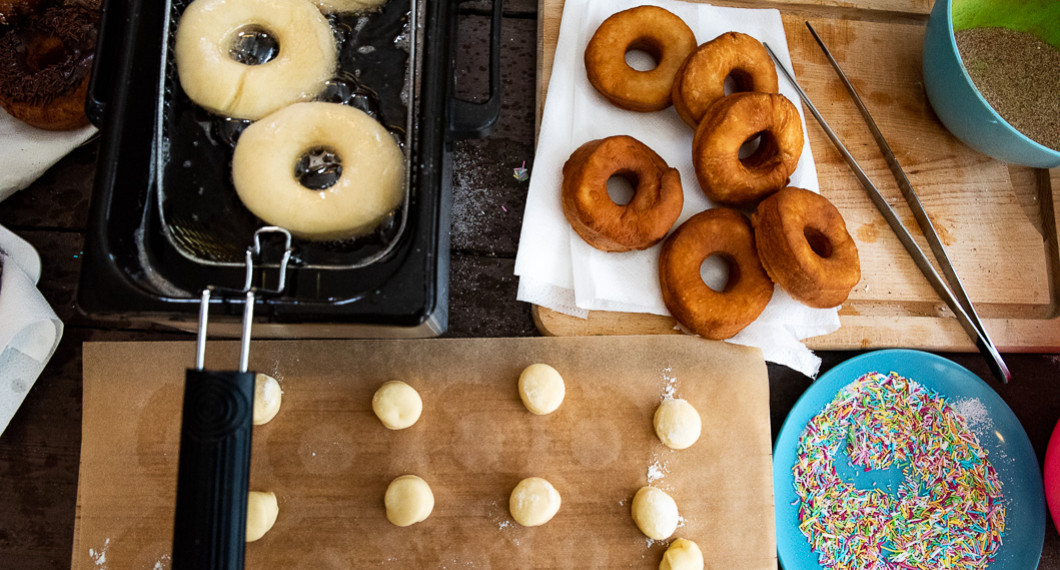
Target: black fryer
x,y
166,223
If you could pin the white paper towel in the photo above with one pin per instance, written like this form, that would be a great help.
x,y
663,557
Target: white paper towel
x,y
27,152
557,269
29,329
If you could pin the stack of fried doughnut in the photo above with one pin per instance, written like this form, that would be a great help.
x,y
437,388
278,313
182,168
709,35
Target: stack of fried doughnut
x,y
796,238
46,55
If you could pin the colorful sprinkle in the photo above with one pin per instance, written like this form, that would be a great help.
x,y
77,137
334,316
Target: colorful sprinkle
x,y
521,173
948,512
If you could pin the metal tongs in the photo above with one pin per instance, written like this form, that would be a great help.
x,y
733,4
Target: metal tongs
x,y
957,299
213,475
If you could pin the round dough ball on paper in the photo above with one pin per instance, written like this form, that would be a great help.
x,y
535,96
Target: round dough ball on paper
x,y
534,502
408,500
655,513
397,405
267,396
683,554
262,510
541,388
677,423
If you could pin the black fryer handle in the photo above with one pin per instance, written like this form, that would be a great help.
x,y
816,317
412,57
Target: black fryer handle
x,y
113,25
476,120
213,474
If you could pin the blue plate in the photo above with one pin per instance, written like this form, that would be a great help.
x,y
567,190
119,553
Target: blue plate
x,y
999,432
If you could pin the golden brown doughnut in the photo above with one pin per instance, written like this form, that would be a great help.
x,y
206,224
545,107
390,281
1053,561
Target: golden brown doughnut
x,y
45,64
701,80
729,122
605,225
651,29
804,246
713,314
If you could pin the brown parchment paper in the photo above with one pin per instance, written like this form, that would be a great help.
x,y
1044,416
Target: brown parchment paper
x,y
329,459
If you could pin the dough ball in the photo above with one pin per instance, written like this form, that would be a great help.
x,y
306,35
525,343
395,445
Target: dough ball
x,y
655,513
541,389
682,555
397,405
408,500
534,502
677,423
267,396
261,514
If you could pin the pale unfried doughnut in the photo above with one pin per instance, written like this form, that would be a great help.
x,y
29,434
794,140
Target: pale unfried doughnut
x,y
534,502
262,510
397,405
267,397
677,423
408,500
683,554
541,389
369,188
655,513
207,30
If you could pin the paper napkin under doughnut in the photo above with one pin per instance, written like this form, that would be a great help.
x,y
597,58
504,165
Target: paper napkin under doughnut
x,y
29,329
557,269
27,152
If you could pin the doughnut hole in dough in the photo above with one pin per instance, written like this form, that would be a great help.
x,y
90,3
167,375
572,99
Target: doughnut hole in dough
x,y
683,554
408,500
267,397
677,423
541,389
262,510
307,55
369,187
655,513
397,405
534,501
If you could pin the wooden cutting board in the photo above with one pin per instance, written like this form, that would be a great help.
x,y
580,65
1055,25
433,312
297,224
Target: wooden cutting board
x,y
329,459
997,222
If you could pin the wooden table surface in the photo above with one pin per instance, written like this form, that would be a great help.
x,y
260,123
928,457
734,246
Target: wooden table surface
x,y
39,451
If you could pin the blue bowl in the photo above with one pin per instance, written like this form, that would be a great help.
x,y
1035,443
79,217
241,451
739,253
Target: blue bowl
x,y
963,109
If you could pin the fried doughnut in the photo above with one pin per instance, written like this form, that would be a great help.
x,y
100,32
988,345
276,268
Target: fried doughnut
x,y
804,246
701,80
605,225
732,120
369,186
651,29
713,314
45,64
212,78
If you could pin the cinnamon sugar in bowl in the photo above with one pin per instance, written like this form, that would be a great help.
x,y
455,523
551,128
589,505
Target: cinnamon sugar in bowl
x,y
977,96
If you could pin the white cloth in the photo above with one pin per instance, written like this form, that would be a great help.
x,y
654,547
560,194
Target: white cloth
x,y
26,152
557,269
29,329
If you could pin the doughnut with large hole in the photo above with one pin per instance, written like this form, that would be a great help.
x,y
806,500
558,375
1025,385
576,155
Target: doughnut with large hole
x,y
805,248
370,186
650,29
604,224
713,314
730,122
211,76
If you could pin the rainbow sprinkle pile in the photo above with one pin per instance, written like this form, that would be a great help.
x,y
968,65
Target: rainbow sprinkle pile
x,y
948,511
